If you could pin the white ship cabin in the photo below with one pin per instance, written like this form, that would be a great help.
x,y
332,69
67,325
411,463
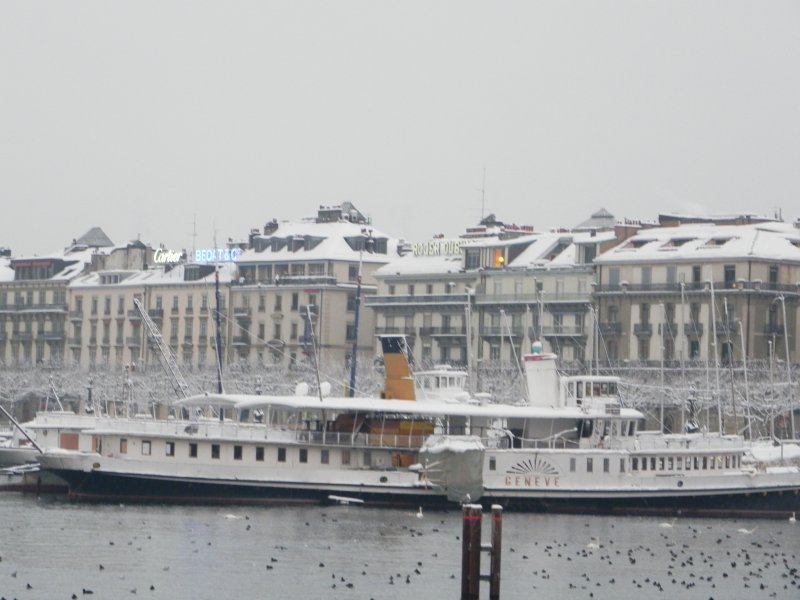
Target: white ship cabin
x,y
443,383
584,410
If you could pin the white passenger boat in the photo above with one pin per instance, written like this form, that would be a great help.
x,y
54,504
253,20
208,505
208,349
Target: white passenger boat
x,y
570,446
601,463
303,449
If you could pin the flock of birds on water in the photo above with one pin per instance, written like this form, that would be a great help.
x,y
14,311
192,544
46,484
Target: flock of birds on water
x,y
584,566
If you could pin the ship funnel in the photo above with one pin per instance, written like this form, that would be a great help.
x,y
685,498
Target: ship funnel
x,y
542,377
399,383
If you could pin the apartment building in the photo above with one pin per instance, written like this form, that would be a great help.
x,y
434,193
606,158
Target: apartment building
x,y
34,295
701,291
290,271
107,329
490,293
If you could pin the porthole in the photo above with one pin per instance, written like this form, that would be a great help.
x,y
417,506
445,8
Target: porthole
x,y
384,479
680,483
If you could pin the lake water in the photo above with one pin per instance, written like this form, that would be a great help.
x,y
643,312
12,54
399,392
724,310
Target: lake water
x,y
52,549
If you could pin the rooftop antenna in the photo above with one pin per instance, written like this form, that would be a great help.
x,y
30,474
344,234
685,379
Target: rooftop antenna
x,y
483,195
194,235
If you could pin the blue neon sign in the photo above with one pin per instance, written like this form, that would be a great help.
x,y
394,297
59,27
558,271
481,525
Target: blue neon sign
x,y
209,255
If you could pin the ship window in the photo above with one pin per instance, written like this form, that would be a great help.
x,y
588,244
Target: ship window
x,y
170,447
712,463
237,453
652,463
493,463
661,463
634,464
123,445
679,463
281,454
260,453
214,450
670,464
303,455
572,465
192,450
324,457
705,463
688,463
367,458
589,465
345,457
146,447
606,465
644,464
631,428
621,465
727,462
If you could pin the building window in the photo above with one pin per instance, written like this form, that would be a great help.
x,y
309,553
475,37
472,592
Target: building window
x,y
282,455
345,457
589,465
170,448
295,301
606,465
259,453
621,465
123,445
572,464
237,453
214,450
492,464
324,457
730,276
145,447
192,450
303,455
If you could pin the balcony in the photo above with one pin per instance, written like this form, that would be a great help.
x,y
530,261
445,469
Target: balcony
x,y
175,310
75,342
500,332
610,328
533,299
643,329
187,341
105,342
2,337
93,342
422,300
242,312
76,315
134,315
669,329
22,336
563,330
727,328
388,330
156,313
53,336
241,340
774,329
133,341
119,342
693,330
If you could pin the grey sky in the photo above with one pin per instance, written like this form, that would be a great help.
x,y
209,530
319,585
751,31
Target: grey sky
x,y
138,116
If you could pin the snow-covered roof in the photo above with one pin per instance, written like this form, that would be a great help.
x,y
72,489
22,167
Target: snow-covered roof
x,y
708,243
602,219
328,242
96,238
557,249
156,276
439,256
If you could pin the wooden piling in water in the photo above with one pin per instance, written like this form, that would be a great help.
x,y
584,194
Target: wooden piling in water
x,y
471,549
471,552
497,541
